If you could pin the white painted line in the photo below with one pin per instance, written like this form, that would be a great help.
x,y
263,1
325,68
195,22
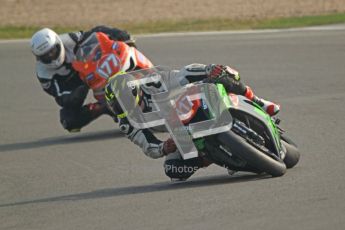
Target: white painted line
x,y
207,33
15,41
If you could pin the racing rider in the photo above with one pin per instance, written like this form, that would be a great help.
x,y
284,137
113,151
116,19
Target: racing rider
x,y
175,166
54,54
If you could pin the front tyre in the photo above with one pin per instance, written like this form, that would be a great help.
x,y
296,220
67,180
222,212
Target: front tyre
x,y
288,140
292,155
253,156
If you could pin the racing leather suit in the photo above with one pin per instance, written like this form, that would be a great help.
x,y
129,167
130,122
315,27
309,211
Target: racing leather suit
x,y
67,88
175,166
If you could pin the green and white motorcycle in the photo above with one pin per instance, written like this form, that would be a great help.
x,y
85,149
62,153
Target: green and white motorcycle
x,y
251,141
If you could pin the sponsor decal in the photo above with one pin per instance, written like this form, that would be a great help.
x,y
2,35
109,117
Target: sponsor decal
x,y
90,77
108,66
115,46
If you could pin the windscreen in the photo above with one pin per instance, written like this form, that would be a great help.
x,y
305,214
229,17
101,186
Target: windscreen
x,y
89,50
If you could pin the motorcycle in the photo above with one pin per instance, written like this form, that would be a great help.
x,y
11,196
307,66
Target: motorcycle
x,y
253,141
98,58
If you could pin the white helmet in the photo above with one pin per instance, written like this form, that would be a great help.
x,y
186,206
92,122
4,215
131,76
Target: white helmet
x,y
48,48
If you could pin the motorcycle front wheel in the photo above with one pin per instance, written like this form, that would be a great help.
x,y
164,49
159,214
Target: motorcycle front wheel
x,y
252,155
292,155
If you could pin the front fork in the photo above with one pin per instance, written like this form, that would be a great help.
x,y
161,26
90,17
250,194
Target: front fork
x,y
241,129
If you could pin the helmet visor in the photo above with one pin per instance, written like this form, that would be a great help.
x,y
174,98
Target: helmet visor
x,y
51,55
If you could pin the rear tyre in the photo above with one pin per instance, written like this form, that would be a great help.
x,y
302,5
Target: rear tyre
x,y
253,156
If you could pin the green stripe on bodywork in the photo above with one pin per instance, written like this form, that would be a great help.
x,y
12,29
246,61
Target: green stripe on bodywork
x,y
271,125
224,95
199,143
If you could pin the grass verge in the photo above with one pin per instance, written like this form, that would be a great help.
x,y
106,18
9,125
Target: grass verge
x,y
9,32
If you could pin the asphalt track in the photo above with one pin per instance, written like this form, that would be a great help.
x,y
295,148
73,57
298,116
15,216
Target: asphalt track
x,y
97,179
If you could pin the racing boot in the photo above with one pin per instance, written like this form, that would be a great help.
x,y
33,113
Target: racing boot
x,y
270,107
97,109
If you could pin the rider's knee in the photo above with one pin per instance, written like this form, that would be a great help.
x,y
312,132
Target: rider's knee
x,y
69,120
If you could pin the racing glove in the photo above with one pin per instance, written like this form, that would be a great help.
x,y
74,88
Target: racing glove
x,y
214,71
226,76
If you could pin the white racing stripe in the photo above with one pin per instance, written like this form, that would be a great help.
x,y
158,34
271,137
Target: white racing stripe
x,y
208,33
58,90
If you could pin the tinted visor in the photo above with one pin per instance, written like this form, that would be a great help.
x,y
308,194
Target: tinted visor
x,y
51,55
